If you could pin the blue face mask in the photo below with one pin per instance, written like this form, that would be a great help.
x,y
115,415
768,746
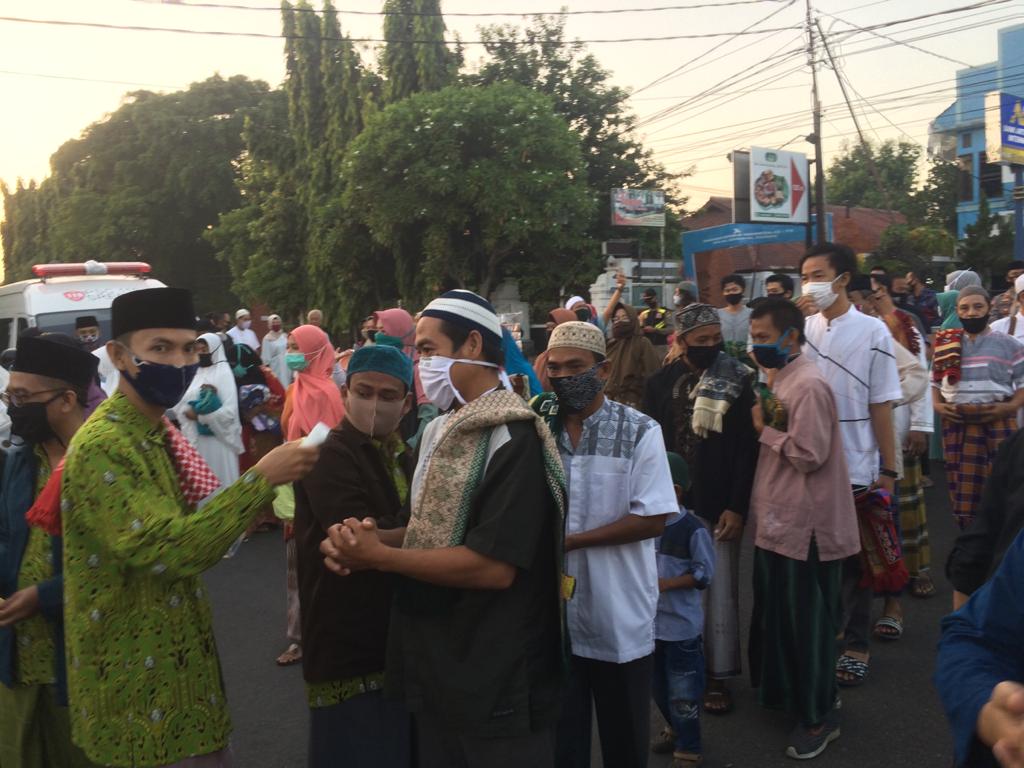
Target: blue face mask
x,y
772,355
160,384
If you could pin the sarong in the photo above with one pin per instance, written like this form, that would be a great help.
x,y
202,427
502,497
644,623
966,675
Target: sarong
x,y
969,449
793,646
917,553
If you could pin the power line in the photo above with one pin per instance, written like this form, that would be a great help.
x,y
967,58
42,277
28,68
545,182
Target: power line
x,y
479,14
74,78
895,40
282,36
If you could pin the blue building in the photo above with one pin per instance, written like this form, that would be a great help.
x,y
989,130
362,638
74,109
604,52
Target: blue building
x,y
958,134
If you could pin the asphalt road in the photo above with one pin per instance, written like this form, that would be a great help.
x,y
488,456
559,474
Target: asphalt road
x,y
893,720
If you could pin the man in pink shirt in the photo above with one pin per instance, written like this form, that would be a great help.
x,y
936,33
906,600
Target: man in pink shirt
x,y
805,525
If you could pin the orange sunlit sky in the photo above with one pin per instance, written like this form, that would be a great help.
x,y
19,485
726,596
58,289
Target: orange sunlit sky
x,y
730,93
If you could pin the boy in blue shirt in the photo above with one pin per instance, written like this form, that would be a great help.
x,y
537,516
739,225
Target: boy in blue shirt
x,y
686,564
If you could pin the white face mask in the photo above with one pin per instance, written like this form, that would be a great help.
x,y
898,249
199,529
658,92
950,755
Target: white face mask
x,y
436,378
822,293
246,325
376,418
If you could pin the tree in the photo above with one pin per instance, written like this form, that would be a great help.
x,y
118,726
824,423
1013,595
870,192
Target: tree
x,y
476,183
850,180
540,58
987,243
415,57
145,183
937,198
903,248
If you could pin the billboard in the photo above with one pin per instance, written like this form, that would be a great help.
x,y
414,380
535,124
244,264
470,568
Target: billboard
x,y
1004,128
638,208
778,186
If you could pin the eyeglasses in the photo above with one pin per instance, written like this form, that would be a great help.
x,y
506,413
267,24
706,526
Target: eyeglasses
x,y
23,398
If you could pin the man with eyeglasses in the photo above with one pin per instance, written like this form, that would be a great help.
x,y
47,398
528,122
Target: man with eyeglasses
x,y
46,402
143,674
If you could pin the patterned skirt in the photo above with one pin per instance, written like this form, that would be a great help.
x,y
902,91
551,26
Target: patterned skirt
x,y
793,630
917,553
969,449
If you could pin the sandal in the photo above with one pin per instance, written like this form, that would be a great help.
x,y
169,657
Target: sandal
x,y
718,702
291,656
686,760
851,672
888,628
923,586
666,743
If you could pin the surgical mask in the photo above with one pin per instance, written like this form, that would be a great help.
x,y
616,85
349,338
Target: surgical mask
x,y
822,293
702,357
436,378
677,300
238,369
30,422
733,298
772,355
205,359
974,324
296,361
575,393
376,417
583,314
246,325
159,383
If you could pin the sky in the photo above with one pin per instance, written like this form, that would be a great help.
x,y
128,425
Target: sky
x,y
731,92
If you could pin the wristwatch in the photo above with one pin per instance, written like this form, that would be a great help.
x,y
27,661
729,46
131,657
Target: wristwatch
x,y
889,473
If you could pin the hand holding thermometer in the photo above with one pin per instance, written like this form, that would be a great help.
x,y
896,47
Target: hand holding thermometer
x,y
316,436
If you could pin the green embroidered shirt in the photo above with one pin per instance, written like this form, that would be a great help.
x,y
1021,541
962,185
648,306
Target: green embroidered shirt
x,y
34,637
143,674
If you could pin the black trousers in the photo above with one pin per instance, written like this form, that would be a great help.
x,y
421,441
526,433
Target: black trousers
x,y
367,731
441,747
621,693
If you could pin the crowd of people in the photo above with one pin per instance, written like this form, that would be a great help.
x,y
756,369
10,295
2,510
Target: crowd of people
x,y
484,553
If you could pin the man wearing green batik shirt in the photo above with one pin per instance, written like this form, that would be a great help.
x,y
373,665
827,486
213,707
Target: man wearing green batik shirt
x,y
143,674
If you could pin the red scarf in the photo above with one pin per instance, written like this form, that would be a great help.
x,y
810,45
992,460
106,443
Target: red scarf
x,y
196,479
948,351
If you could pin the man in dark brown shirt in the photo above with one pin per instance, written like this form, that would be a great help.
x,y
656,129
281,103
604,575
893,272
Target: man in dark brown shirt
x,y
362,472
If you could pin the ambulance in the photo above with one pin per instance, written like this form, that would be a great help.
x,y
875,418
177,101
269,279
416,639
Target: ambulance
x,y
61,293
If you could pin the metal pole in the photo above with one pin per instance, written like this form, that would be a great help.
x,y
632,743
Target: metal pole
x,y
661,232
1018,214
819,167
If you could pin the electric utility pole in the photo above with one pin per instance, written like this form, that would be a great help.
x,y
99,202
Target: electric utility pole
x,y
815,138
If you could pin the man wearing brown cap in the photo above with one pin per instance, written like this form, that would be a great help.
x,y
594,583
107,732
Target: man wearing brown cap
x,y
46,401
620,494
703,401
143,674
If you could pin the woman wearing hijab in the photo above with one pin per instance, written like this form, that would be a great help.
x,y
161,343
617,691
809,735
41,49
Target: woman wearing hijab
x,y
556,317
957,281
399,325
312,397
274,348
208,412
631,359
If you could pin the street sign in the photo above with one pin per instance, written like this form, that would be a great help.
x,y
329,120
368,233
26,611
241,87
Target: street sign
x,y
778,186
1004,128
638,208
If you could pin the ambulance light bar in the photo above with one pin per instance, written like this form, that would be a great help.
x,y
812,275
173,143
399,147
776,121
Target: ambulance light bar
x,y
44,271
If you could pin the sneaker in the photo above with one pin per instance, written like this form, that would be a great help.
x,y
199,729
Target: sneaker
x,y
686,760
806,745
665,744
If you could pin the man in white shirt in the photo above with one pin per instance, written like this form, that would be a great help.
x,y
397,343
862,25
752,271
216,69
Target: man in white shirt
x,y
855,354
1013,325
242,332
620,494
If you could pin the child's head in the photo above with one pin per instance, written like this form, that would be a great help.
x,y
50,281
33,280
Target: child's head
x,y
680,475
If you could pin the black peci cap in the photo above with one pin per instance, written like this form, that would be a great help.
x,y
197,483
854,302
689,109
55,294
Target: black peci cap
x,y
56,356
152,308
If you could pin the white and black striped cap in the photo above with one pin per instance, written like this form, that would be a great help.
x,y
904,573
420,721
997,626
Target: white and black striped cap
x,y
467,310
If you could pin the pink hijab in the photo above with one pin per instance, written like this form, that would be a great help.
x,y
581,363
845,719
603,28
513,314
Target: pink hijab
x,y
314,395
399,323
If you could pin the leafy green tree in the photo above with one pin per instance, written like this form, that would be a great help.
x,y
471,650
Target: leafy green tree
x,y
937,198
415,57
988,242
476,183
144,183
904,248
850,180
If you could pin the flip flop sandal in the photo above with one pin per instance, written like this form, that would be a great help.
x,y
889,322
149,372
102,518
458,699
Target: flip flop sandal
x,y
890,623
718,702
855,668
923,587
291,656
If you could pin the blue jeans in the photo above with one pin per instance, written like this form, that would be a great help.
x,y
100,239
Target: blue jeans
x,y
678,688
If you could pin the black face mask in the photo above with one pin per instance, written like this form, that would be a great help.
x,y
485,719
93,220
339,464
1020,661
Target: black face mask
x,y
974,324
370,335
734,298
30,422
898,297
651,301
583,315
205,359
702,357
